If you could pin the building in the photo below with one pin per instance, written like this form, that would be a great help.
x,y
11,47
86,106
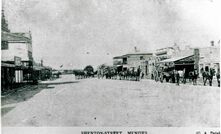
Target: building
x,y
18,44
195,58
132,61
18,49
16,59
167,52
210,57
41,72
7,69
150,63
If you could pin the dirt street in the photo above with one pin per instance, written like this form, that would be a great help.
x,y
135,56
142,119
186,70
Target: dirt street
x,y
101,102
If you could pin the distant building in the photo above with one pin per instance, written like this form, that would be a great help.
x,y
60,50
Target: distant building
x,y
167,52
210,57
149,65
132,60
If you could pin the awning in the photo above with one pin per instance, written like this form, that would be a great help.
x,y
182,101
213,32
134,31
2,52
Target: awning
x,y
7,65
120,57
37,68
13,37
125,66
175,59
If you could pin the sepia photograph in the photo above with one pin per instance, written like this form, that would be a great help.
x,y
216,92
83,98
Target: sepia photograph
x,y
110,63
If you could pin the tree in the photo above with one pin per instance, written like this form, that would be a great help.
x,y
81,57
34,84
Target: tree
x,y
89,70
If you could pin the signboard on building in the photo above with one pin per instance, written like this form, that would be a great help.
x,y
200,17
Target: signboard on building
x,y
17,61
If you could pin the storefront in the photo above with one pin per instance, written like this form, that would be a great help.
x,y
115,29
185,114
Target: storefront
x,y
18,70
42,73
179,63
7,76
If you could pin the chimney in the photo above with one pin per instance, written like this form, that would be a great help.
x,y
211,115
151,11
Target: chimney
x,y
212,43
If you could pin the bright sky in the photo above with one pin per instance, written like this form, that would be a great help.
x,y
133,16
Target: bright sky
x,y
77,33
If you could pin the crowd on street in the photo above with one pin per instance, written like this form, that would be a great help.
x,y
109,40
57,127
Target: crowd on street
x,y
159,74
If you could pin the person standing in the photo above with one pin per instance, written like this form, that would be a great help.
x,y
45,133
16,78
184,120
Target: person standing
x,y
184,76
138,74
177,77
173,76
203,73
142,75
180,74
218,77
195,76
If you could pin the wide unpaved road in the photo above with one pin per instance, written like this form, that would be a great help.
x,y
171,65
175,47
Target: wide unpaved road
x,y
93,102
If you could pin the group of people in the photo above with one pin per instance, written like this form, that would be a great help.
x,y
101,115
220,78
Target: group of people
x,y
160,74
208,74
175,76
126,74
181,76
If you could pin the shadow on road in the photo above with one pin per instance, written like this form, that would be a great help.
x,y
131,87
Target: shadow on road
x,y
24,94
5,110
58,83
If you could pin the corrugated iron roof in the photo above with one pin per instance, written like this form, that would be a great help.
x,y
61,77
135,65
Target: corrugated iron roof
x,y
135,53
174,59
139,53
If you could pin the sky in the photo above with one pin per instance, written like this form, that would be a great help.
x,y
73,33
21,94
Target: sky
x,y
76,33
